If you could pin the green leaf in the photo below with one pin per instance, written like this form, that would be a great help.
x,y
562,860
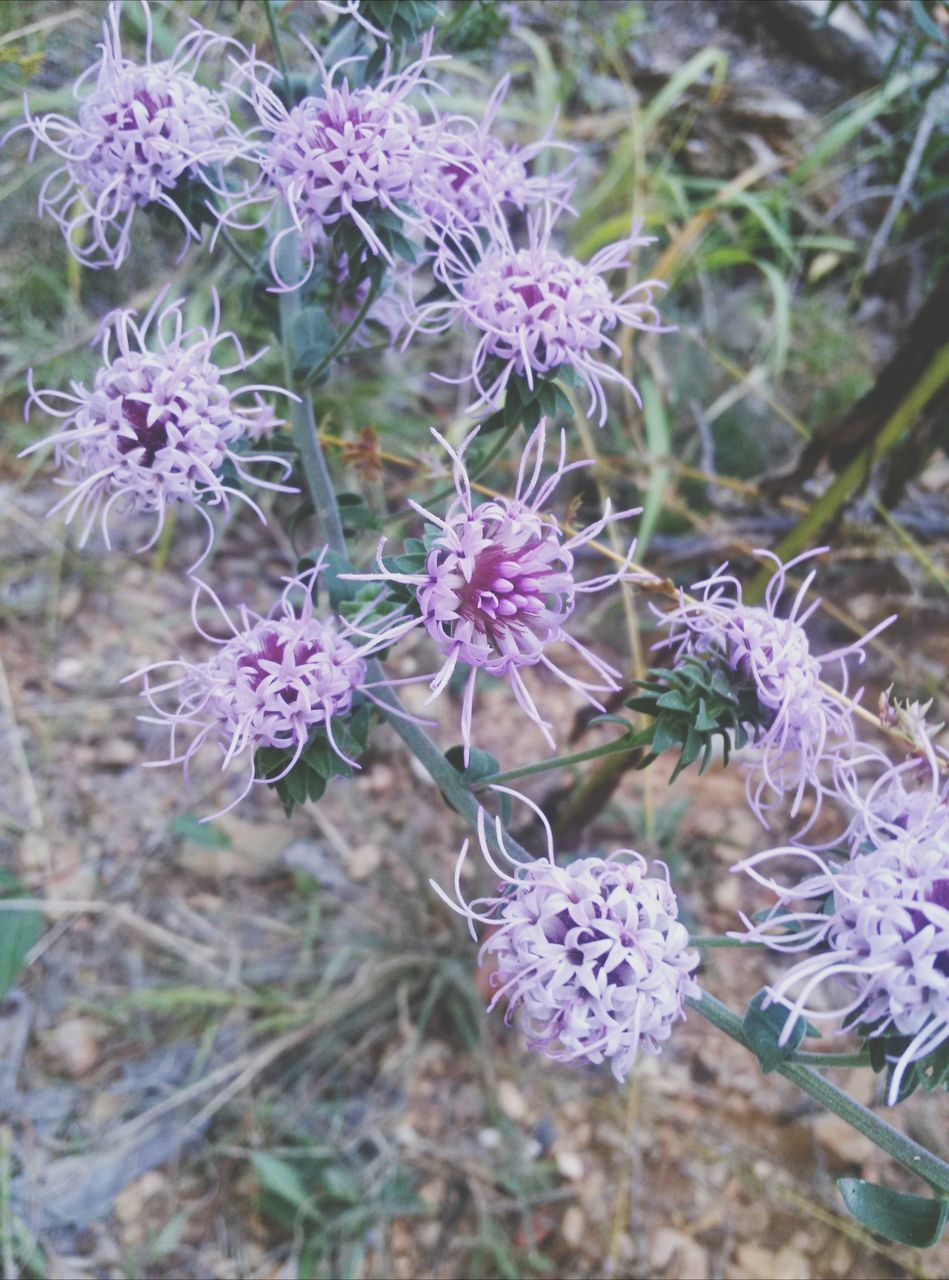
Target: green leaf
x,y
280,1178
192,828
339,589
19,932
763,1026
895,1215
354,513
312,336
481,764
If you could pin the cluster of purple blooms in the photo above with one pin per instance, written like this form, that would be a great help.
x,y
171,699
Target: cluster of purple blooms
x,y
590,956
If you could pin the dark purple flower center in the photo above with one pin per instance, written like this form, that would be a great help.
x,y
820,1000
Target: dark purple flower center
x,y
556,929
486,599
939,896
271,649
150,437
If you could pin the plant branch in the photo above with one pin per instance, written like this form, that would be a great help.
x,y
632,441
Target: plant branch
x,y
628,742
911,1155
275,39
340,344
306,437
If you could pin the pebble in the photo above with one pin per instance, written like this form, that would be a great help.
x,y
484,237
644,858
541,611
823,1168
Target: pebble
x,y
73,1046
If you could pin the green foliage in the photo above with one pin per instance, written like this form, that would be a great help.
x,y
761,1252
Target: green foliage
x,y
929,1073
524,404
19,932
311,338
473,24
190,827
481,764
331,1199
318,762
404,20
762,1026
701,698
895,1215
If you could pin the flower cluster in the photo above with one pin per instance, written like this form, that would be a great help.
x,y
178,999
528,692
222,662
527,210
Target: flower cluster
x,y
142,129
536,311
471,173
159,427
811,724
361,184
497,585
591,957
343,154
877,922
273,679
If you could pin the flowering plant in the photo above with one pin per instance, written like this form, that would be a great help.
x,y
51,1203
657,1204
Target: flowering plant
x,y
354,198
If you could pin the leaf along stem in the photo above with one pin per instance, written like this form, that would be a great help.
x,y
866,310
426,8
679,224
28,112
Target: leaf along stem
x,y
339,345
911,1155
628,742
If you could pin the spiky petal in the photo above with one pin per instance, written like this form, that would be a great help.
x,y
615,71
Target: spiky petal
x,y
141,129
159,423
590,957
536,311
498,586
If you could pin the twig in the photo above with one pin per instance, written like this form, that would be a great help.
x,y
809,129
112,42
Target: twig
x,y
935,100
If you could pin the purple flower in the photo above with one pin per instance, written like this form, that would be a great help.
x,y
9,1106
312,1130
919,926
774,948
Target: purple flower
x,y
471,174
811,723
272,680
537,311
141,129
158,425
879,923
342,153
912,796
498,583
591,957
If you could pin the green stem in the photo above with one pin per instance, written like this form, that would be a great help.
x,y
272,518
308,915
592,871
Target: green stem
x,y
306,437
708,940
904,1150
629,742
340,344
275,40
238,252
861,1059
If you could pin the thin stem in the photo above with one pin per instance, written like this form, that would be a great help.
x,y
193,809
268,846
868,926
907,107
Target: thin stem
x,y
238,252
904,1150
339,345
306,437
443,774
711,940
275,40
860,1059
629,742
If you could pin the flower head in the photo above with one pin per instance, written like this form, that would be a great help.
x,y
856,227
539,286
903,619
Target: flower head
x,y
141,129
472,174
878,923
769,646
342,154
591,957
498,585
159,425
271,681
535,310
